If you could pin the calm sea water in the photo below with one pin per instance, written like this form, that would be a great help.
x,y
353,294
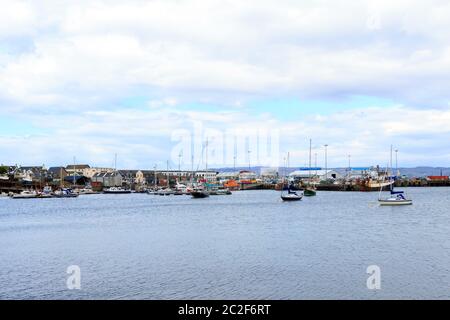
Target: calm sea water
x,y
245,246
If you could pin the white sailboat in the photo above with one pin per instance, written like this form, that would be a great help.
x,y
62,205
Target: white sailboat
x,y
290,195
395,198
200,190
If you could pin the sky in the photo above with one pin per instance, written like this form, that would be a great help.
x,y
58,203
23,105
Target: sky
x,y
152,81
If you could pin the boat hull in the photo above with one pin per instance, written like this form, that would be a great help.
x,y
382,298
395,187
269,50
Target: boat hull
x,y
24,197
395,202
292,196
117,192
309,193
199,194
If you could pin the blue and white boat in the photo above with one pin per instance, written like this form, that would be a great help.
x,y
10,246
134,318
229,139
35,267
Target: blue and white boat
x,y
291,195
396,198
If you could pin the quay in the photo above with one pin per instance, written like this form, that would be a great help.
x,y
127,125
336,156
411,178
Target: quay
x,y
15,179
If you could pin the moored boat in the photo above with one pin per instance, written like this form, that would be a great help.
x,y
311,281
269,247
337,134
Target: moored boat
x,y
199,193
166,192
26,194
116,190
309,192
86,190
396,198
291,196
65,193
47,192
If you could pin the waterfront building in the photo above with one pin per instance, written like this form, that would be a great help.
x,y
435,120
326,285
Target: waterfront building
x,y
247,176
28,174
318,174
57,172
76,168
108,179
269,175
223,177
91,171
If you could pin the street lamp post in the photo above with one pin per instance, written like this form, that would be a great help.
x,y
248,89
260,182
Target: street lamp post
x,y
156,179
396,161
326,162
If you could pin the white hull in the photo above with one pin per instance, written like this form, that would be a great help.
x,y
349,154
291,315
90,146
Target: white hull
x,y
395,202
291,197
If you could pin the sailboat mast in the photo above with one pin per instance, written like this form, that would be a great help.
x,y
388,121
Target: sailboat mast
x,y
156,184
309,173
74,167
390,163
168,183
206,156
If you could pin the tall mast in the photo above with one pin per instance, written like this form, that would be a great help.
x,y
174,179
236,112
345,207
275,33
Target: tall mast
x,y
288,160
168,183
156,184
192,167
74,167
390,163
309,173
206,165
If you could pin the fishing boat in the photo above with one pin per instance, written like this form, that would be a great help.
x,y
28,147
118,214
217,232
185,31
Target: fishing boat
x,y
116,190
26,194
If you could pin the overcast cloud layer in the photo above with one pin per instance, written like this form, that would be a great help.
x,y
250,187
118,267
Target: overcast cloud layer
x,y
94,78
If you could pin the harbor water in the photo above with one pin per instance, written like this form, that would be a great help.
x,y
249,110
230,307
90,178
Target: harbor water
x,y
248,245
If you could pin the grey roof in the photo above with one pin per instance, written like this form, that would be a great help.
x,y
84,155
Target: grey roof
x,y
77,166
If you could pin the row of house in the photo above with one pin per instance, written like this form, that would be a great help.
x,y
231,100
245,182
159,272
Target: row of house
x,y
80,174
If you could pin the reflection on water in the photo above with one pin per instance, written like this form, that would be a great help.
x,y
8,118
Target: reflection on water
x,y
245,246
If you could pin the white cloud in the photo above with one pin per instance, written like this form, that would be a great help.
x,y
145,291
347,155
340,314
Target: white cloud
x,y
63,60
